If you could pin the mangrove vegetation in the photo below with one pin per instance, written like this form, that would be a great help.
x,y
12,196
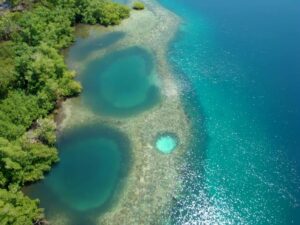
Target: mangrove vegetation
x,y
33,80
138,6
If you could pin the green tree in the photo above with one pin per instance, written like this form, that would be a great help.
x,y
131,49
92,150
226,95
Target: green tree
x,y
33,77
46,25
22,161
8,26
138,6
42,70
45,131
7,71
17,112
103,12
17,209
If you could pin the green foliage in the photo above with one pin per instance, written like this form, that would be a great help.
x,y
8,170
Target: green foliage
x,y
138,6
103,12
17,112
7,71
17,209
33,77
8,26
22,161
42,69
45,25
45,131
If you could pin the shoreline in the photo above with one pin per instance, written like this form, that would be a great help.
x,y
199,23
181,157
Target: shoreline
x,y
150,186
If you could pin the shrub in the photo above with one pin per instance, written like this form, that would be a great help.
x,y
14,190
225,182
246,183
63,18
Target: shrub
x,y
104,12
7,71
18,209
8,26
46,131
138,6
22,161
33,76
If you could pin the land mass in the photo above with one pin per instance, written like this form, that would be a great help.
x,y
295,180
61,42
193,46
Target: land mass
x,y
33,80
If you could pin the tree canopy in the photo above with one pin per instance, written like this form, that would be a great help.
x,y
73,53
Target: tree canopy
x,y
138,6
33,78
17,209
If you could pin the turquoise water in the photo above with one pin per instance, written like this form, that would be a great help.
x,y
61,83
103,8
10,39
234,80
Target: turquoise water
x,y
87,46
121,1
121,84
239,65
166,143
93,161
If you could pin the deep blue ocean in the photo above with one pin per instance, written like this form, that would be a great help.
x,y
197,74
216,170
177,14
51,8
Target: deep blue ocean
x,y
238,63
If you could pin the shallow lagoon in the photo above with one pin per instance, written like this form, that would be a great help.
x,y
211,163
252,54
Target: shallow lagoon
x,y
138,199
235,176
93,161
122,83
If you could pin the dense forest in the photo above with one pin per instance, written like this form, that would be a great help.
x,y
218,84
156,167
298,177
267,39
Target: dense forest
x,y
33,79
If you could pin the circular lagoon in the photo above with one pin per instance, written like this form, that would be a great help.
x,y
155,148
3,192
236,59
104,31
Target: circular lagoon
x,y
93,160
166,143
122,83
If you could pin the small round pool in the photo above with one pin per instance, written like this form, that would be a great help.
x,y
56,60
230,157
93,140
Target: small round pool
x,y
166,143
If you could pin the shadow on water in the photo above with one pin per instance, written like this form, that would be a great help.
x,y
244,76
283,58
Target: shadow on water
x,y
70,191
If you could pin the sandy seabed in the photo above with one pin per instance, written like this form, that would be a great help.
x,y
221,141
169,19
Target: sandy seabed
x,y
153,180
